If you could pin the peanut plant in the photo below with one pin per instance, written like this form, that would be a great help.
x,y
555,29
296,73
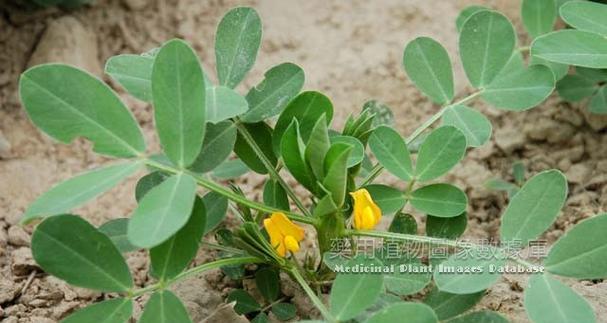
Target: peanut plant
x,y
276,129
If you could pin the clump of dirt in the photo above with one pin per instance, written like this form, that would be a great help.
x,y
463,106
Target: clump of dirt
x,y
350,51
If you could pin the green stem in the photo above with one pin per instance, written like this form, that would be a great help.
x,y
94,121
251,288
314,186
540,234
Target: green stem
x,y
317,302
193,271
216,187
271,170
377,169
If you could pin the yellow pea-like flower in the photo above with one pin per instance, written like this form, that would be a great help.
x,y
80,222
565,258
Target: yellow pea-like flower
x,y
366,213
284,234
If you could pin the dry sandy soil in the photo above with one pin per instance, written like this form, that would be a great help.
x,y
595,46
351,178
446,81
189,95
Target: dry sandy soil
x,y
350,50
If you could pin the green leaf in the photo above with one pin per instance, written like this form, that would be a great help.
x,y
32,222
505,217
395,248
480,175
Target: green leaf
x,y
284,311
498,184
598,103
473,124
442,200
547,300
78,190
387,198
538,16
467,13
572,47
230,169
486,260
409,276
442,149
133,72
216,147
261,318
116,231
383,113
245,303
174,255
586,16
391,152
216,206
558,70
351,294
163,307
413,312
274,195
336,169
574,88
480,317
307,107
293,157
268,283
582,251
520,90
268,98
236,44
71,249
147,182
164,210
358,150
518,172
178,89
447,228
262,135
428,65
535,207
593,74
116,310
486,43
223,103
67,103
447,305
403,223
317,147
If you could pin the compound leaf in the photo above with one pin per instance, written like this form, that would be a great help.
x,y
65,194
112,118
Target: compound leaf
x,y
133,72
223,103
116,230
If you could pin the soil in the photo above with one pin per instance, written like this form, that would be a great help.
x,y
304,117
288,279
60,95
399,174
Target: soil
x,y
351,51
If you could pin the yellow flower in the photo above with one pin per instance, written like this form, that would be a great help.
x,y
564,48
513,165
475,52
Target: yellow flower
x,y
284,234
366,213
